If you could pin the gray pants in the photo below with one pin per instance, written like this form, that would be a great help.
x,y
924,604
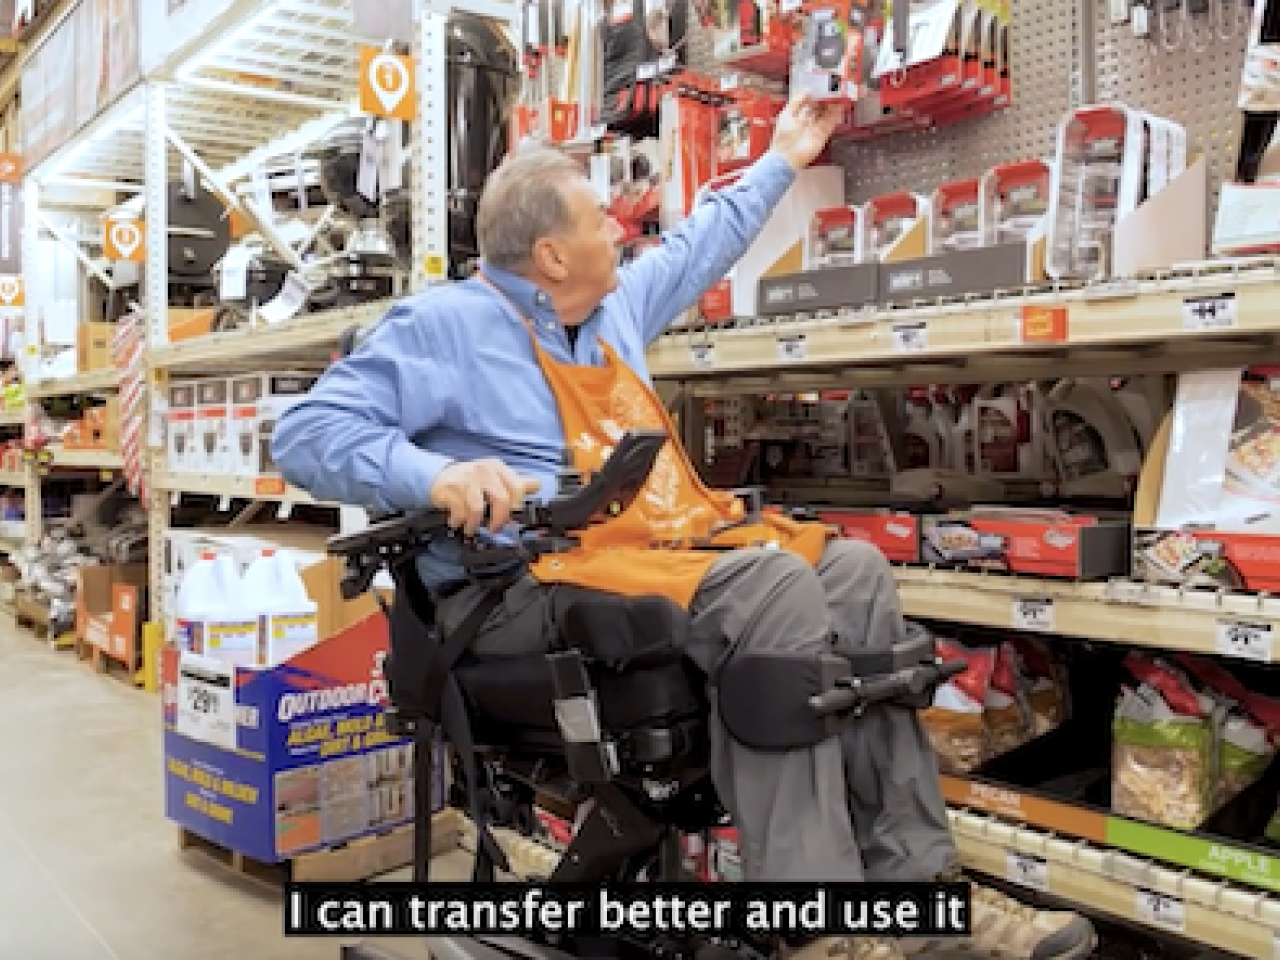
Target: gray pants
x,y
864,806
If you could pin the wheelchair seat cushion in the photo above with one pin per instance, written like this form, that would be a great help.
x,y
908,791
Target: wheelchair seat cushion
x,y
636,662
623,633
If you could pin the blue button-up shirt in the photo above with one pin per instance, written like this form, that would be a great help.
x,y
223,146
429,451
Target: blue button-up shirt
x,y
450,373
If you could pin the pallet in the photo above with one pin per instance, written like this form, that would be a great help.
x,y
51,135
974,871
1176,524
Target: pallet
x,y
104,663
356,860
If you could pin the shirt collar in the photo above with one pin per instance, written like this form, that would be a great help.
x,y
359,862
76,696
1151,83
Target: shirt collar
x,y
523,294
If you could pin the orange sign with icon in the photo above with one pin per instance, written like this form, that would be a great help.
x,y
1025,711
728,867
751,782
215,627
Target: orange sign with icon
x,y
12,292
387,87
124,240
1044,324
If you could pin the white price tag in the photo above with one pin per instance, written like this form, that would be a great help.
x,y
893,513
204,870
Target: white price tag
x,y
1027,870
1032,614
1211,313
207,700
911,337
646,71
792,348
1250,641
1162,910
703,354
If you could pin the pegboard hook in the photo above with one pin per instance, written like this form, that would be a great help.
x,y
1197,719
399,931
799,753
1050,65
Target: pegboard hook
x,y
1166,33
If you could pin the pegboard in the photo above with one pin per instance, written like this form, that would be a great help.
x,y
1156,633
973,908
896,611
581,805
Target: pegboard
x,y
1188,72
1043,37
1187,75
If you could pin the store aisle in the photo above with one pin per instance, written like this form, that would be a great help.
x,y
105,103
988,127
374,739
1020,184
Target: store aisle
x,y
89,866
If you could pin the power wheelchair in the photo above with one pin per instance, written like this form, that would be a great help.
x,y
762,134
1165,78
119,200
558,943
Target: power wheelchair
x,y
613,715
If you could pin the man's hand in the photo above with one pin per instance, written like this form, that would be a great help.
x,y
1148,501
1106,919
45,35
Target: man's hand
x,y
466,489
803,129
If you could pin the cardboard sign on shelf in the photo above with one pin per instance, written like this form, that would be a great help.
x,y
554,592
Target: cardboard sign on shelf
x,y
124,240
387,86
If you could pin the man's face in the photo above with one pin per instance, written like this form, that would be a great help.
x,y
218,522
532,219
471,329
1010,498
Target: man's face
x,y
591,243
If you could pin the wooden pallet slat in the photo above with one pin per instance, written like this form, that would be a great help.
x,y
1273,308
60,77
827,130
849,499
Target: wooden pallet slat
x,y
360,859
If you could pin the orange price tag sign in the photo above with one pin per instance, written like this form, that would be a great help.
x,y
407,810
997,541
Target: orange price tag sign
x,y
12,292
268,486
1044,324
386,84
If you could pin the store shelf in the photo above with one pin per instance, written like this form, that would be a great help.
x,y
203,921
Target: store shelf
x,y
88,459
246,488
11,418
1118,611
1163,324
8,479
99,381
293,339
1127,887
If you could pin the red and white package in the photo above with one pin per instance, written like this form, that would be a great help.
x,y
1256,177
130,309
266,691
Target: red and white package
x,y
955,723
1007,710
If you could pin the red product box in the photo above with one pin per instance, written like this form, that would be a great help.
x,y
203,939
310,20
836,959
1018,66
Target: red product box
x,y
1038,543
1207,558
897,535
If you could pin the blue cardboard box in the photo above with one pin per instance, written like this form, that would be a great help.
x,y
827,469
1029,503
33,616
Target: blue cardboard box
x,y
274,763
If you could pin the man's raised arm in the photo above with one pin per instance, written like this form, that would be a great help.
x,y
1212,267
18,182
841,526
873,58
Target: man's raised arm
x,y
668,279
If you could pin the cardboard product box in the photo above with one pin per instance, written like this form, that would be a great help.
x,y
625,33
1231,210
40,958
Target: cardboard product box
x,y
213,423
257,401
111,608
1038,543
103,424
833,288
895,534
93,346
293,759
1227,560
957,273
180,427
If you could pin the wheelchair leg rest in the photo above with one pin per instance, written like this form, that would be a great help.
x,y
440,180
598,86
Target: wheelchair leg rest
x,y
779,701
614,831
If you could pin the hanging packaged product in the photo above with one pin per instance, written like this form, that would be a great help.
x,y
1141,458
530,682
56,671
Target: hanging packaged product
x,y
835,238
746,127
1110,159
643,46
1217,523
1016,201
983,85
955,723
828,64
886,219
1009,439
1091,440
753,35
932,66
955,217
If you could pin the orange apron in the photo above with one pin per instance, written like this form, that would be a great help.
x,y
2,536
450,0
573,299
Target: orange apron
x,y
645,550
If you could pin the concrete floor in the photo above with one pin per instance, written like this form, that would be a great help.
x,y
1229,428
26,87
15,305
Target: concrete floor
x,y
89,866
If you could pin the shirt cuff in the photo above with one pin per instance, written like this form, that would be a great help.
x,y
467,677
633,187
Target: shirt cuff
x,y
772,175
411,473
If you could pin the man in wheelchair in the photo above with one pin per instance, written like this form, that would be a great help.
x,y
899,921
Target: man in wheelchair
x,y
630,634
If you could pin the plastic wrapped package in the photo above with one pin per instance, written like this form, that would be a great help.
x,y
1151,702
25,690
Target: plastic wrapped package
x,y
956,723
1164,749
1223,463
1049,694
1007,709
1250,732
